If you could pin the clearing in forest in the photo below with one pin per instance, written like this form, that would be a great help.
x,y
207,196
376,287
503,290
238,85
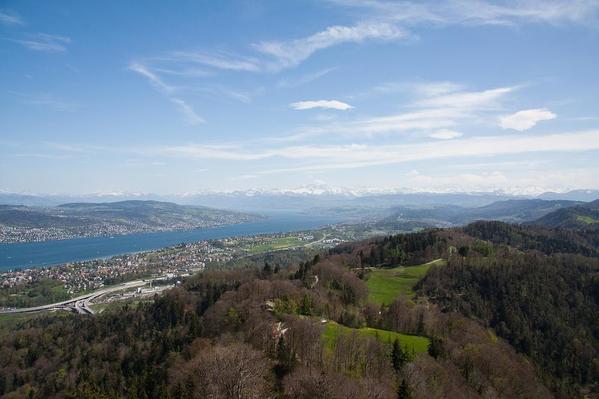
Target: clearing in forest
x,y
386,284
413,343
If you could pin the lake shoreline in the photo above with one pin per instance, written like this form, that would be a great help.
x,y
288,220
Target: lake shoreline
x,y
52,253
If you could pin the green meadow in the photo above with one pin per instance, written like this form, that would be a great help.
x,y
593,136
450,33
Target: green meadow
x,y
586,219
413,343
386,284
276,244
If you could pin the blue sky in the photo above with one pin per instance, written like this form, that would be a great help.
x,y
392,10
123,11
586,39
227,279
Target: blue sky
x,y
171,98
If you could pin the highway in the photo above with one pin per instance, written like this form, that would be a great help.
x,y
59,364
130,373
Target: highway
x,y
80,304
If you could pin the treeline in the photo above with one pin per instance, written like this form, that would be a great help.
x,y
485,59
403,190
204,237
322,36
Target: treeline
x,y
403,249
546,240
258,332
282,259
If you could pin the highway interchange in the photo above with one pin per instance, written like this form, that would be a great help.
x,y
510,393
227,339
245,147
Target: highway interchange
x,y
80,304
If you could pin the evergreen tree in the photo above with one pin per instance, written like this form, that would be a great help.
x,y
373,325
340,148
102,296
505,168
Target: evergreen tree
x,y
398,356
420,327
267,269
306,307
435,347
404,391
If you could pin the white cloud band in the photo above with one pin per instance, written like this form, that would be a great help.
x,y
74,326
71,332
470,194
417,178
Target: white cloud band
x,y
326,104
526,119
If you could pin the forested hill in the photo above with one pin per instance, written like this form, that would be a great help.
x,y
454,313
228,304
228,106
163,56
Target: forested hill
x,y
443,313
581,217
533,237
538,288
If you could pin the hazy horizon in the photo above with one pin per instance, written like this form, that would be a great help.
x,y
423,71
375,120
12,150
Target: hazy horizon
x,y
308,190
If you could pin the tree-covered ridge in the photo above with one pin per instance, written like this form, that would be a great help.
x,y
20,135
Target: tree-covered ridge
x,y
581,217
538,238
546,306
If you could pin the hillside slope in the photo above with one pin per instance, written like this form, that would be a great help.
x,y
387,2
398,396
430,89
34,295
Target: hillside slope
x,y
582,216
21,223
536,287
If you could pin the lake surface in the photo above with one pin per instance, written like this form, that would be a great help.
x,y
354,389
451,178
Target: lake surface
x,y
47,253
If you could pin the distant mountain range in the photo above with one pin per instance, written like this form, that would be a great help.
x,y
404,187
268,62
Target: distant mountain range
x,y
575,195
513,211
310,197
19,223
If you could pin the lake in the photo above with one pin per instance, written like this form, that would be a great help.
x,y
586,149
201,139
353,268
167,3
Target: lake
x,y
48,253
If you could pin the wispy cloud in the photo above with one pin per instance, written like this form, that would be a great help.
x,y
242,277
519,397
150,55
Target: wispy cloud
x,y
48,100
433,89
218,60
445,134
526,119
190,115
326,104
152,77
169,91
304,79
422,89
291,53
273,56
479,12
75,148
42,156
44,42
361,155
486,98
9,18
222,91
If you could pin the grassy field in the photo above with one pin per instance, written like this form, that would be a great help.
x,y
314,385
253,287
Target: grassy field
x,y
16,317
384,285
118,305
38,293
275,244
413,343
586,219
9,321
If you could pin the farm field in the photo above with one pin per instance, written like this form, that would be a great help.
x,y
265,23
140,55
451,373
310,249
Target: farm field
x,y
276,244
385,284
413,343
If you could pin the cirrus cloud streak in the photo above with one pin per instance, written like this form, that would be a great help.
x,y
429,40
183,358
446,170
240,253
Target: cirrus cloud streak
x,y
326,104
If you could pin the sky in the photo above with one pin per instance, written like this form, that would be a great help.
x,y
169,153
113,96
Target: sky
x,y
191,96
